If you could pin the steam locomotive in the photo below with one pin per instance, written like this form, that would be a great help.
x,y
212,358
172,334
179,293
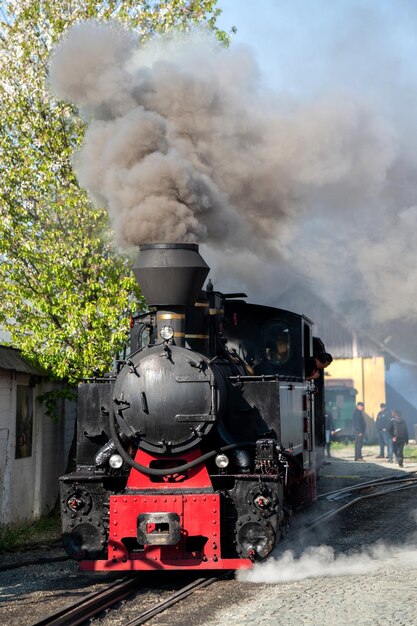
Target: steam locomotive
x,y
196,451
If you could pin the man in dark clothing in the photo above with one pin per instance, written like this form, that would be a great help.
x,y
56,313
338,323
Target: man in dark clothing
x,y
329,428
359,426
399,433
382,421
315,364
386,426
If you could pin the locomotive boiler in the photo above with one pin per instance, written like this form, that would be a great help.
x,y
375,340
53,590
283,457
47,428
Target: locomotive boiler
x,y
196,450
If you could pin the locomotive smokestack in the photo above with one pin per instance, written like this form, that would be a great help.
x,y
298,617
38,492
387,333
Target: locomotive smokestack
x,y
170,274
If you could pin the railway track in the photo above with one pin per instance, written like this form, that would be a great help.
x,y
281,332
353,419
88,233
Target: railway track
x,y
353,494
90,605
183,593
94,603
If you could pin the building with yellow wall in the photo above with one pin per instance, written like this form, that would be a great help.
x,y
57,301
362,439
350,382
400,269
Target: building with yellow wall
x,y
368,379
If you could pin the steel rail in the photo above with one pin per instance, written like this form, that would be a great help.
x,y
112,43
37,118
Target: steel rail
x,y
368,483
91,604
181,594
346,492
330,514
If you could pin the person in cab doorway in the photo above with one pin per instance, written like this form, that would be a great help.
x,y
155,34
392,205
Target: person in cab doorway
x,y
399,434
315,365
359,427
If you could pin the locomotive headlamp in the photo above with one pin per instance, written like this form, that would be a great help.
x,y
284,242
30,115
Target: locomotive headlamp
x,y
115,461
166,332
222,461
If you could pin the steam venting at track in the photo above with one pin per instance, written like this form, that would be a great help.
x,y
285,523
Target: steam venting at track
x,y
322,561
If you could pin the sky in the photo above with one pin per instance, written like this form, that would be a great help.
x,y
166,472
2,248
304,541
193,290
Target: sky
x,y
296,41
363,47
357,51
308,47
292,152
302,152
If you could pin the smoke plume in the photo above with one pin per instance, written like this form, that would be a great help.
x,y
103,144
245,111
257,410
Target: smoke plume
x,y
185,143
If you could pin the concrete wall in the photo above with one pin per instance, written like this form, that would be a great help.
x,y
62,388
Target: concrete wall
x,y
29,486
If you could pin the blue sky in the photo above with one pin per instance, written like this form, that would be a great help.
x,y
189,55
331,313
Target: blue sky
x,y
362,52
302,45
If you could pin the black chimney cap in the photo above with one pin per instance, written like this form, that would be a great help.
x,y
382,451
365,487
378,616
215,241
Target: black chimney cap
x,y
170,274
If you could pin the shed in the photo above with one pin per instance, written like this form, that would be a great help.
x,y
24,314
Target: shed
x,y
34,447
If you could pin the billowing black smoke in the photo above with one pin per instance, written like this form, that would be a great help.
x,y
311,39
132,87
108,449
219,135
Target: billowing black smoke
x,y
184,143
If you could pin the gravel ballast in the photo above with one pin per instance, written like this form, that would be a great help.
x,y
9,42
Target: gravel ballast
x,y
359,569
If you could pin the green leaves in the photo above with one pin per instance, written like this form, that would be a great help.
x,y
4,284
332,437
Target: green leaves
x,y
66,292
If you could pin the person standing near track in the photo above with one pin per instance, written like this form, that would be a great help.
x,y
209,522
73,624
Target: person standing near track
x,y
386,425
383,421
329,428
399,433
359,426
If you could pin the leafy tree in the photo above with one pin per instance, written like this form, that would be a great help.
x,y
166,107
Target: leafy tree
x,y
65,291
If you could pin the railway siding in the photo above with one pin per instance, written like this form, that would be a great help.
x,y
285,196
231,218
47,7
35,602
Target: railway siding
x,y
366,590
374,587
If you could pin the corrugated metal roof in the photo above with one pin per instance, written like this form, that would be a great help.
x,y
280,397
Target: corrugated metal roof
x,y
11,359
340,339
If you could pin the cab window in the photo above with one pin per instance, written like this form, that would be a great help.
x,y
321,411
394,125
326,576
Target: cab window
x,y
277,344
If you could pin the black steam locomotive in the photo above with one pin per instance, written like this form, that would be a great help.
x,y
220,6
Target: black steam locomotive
x,y
194,454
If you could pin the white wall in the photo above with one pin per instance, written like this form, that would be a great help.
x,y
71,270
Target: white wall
x,y
7,433
29,486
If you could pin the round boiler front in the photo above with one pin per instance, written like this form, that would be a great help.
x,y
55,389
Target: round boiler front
x,y
164,395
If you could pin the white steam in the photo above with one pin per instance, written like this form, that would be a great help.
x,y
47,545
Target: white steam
x,y
184,143
323,561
